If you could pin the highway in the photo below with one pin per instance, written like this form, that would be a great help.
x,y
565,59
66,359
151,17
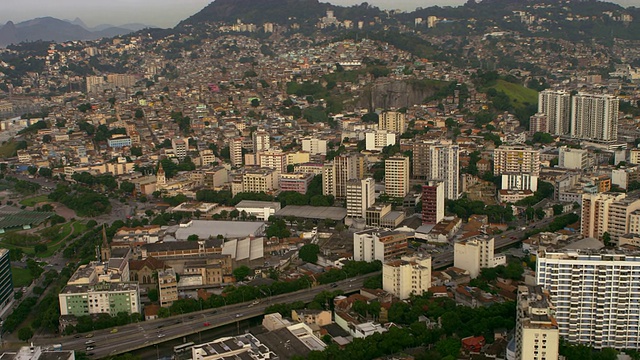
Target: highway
x,y
148,333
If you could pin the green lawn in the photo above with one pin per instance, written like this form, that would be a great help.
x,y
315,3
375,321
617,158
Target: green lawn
x,y
8,149
519,95
21,277
34,200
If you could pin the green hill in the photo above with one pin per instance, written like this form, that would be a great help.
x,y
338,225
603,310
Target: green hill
x,y
519,95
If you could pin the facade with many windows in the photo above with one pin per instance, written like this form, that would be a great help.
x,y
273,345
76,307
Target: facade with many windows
x,y
407,276
595,293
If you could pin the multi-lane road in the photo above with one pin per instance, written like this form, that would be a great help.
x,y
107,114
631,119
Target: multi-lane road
x,y
130,337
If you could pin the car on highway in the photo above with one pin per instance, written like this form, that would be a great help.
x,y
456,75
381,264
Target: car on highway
x,y
159,326
334,285
238,315
161,335
255,302
207,324
89,342
114,330
89,348
89,336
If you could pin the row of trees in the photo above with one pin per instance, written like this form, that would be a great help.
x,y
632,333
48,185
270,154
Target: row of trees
x,y
83,200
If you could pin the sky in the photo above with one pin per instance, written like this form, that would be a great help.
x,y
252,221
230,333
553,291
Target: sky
x,y
162,13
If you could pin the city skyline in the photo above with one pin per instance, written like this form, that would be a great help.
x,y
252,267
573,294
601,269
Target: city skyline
x,y
165,13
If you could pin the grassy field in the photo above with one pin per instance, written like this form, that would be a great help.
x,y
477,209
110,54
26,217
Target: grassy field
x,y
8,149
21,277
519,95
34,200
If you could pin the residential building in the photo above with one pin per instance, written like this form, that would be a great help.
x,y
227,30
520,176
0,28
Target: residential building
x,y
407,276
297,181
376,140
396,176
235,151
607,213
256,180
167,287
118,141
95,83
180,147
433,202
516,159
372,244
216,177
261,141
595,117
273,159
573,158
519,182
476,253
537,335
538,123
594,294
337,173
360,196
39,353
392,121
556,106
244,346
106,297
438,161
314,146
634,156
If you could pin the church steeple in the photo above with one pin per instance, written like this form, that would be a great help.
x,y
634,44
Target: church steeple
x,y
161,178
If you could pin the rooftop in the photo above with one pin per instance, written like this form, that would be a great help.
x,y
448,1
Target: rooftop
x,y
313,212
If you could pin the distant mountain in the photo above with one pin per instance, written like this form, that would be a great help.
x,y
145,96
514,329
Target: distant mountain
x,y
259,12
52,29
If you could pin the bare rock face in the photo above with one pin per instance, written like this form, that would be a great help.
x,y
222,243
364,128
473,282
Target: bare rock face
x,y
386,93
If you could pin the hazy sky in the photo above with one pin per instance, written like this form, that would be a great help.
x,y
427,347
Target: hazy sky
x,y
163,13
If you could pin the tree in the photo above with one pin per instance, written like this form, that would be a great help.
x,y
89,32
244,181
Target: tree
x,y
46,138
255,102
309,253
557,209
25,333
45,172
127,187
606,238
153,294
136,151
193,237
241,272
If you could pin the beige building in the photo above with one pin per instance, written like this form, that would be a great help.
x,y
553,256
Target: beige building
x,y
273,159
608,212
407,276
337,173
255,180
476,253
235,151
396,176
537,334
371,245
167,287
261,141
314,146
516,159
307,316
392,121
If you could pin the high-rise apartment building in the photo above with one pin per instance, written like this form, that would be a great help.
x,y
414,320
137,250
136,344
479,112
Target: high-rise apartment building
x,y
180,147
360,196
393,121
371,245
556,105
314,146
411,275
595,294
432,202
273,159
538,123
476,253
337,173
95,83
519,182
516,159
607,212
438,161
537,336
595,117
261,141
298,182
235,151
396,176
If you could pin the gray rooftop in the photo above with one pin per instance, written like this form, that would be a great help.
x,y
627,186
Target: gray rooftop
x,y
229,229
313,212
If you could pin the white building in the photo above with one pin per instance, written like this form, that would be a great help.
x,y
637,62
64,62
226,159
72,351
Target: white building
x,y
371,245
262,210
407,276
314,146
360,196
594,117
595,295
261,141
556,105
519,182
537,335
573,158
396,176
180,147
235,151
476,253
438,161
375,140
607,212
